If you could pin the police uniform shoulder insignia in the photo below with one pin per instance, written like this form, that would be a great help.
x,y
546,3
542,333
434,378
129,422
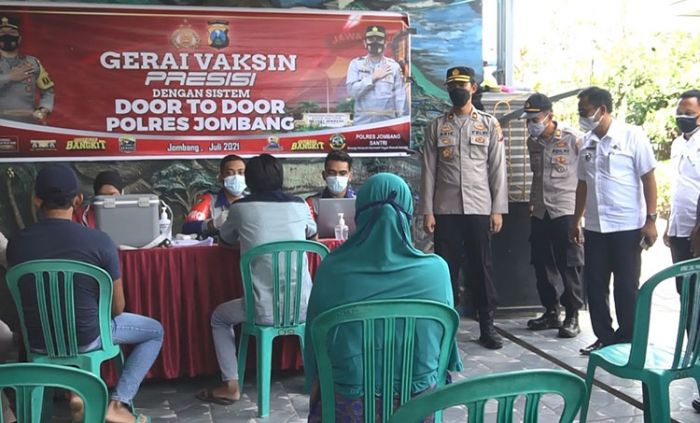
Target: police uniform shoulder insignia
x,y
475,115
557,133
450,116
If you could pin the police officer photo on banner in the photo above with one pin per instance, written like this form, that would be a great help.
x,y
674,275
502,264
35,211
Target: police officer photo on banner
x,y
554,151
375,82
464,194
21,77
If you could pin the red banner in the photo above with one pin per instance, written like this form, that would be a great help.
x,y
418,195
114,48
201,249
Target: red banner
x,y
79,82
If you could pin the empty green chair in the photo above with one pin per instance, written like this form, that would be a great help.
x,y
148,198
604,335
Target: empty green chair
x,y
287,319
383,324
53,280
29,380
656,366
505,388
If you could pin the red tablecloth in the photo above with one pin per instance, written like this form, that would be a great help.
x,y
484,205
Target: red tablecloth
x,y
181,287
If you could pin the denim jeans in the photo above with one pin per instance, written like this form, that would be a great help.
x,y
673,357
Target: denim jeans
x,y
223,319
146,335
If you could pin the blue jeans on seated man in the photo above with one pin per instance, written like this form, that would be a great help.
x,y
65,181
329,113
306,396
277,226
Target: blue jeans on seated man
x,y
146,335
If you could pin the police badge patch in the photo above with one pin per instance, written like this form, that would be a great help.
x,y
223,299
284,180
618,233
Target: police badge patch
x,y
185,37
218,34
447,153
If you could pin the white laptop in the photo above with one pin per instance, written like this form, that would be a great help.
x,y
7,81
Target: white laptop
x,y
328,209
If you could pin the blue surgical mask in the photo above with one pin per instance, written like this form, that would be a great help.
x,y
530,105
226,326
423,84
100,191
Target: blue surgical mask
x,y
235,184
337,184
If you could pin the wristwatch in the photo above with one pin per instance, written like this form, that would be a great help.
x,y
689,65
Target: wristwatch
x,y
651,216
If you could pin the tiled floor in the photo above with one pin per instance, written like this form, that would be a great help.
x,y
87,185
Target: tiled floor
x,y
174,401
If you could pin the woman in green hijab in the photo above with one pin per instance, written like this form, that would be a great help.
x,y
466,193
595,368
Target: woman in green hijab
x,y
378,262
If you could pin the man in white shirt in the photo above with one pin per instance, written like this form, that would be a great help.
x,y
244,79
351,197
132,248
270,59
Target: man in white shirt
x,y
685,185
617,191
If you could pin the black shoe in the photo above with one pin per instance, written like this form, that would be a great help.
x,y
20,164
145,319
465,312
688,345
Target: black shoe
x,y
548,320
570,327
598,344
489,337
696,405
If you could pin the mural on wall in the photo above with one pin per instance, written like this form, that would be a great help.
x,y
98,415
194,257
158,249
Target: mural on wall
x,y
448,33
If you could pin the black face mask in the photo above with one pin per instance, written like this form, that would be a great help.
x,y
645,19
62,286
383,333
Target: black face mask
x,y
459,97
9,42
687,124
375,48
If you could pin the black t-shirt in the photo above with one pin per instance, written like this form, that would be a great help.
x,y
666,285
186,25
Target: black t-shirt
x,y
63,239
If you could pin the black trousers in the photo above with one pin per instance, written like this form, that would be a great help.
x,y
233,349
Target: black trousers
x,y
555,258
680,251
619,254
466,239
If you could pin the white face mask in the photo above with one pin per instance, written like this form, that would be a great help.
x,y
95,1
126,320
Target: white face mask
x,y
535,129
588,124
337,184
235,184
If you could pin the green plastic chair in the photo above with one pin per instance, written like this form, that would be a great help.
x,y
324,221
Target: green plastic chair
x,y
504,388
30,379
381,317
57,311
656,367
286,314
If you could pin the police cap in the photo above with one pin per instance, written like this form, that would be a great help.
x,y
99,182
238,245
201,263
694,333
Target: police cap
x,y
9,22
375,31
460,74
536,104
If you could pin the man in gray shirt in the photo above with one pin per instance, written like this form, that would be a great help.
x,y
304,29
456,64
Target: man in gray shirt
x,y
266,215
20,78
553,160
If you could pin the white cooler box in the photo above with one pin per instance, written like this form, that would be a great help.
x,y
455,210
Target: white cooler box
x,y
130,220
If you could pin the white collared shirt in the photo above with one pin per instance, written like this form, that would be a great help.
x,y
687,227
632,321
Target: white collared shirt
x,y
612,168
685,185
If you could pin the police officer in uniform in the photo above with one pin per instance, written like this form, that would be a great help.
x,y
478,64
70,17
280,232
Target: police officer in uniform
x,y
376,82
617,192
553,160
20,77
464,194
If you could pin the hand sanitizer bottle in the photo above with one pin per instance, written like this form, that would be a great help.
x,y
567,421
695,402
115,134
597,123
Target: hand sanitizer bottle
x,y
341,229
164,224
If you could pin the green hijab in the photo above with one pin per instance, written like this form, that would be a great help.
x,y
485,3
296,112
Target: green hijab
x,y
379,262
